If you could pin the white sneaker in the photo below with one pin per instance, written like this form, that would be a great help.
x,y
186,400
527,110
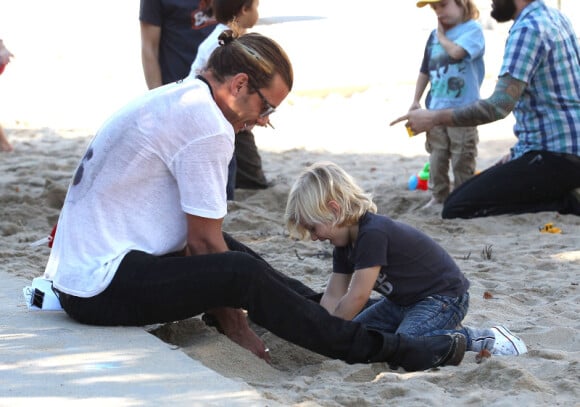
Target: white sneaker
x,y
506,343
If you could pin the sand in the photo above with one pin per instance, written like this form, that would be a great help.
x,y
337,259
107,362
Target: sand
x,y
53,99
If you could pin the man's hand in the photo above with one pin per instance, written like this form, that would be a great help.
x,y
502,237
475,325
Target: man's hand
x,y
418,120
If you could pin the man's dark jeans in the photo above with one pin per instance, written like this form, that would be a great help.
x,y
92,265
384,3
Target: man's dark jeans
x,y
148,289
535,182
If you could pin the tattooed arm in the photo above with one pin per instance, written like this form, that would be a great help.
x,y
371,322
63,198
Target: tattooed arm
x,y
507,92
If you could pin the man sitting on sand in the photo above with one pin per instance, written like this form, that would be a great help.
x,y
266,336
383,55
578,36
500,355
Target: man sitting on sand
x,y
540,81
140,241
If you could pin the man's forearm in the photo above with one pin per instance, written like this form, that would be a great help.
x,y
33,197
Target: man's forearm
x,y
507,92
477,113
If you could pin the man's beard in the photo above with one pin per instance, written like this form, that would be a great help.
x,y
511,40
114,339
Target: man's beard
x,y
503,10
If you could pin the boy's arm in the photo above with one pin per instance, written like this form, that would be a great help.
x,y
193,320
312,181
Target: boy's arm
x,y
357,295
420,86
335,289
453,50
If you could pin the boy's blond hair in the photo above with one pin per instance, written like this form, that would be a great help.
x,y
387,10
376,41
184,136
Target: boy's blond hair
x,y
316,186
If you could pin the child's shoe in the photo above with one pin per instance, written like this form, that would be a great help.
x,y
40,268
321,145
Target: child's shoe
x,y
506,343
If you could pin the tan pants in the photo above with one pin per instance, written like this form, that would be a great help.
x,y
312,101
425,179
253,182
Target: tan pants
x,y
458,144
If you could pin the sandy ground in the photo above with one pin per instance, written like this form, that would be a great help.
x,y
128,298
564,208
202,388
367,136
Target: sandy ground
x,y
355,67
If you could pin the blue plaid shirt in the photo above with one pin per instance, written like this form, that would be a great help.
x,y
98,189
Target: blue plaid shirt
x,y
542,50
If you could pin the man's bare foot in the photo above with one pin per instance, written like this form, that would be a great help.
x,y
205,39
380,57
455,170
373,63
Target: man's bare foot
x,y
252,342
234,324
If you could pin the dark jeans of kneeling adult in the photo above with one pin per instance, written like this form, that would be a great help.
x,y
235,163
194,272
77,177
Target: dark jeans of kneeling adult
x,y
535,182
147,289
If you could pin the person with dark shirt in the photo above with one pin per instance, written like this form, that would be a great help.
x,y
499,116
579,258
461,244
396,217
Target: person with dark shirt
x,y
171,31
423,291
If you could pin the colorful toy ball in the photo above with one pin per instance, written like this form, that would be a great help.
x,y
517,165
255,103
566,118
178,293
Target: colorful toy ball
x,y
416,183
420,181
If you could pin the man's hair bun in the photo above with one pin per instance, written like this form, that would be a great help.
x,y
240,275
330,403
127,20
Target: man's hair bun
x,y
227,37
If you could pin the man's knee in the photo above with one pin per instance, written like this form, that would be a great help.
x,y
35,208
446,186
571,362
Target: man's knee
x,y
452,209
248,266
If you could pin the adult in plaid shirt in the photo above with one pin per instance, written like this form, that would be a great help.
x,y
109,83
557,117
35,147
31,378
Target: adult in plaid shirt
x,y
540,82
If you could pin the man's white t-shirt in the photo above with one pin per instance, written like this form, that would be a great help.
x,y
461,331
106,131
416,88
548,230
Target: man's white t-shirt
x,y
161,156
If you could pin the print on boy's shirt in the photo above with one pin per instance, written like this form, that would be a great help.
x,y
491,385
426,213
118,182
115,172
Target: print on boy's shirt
x,y
382,285
447,80
440,63
455,84
447,75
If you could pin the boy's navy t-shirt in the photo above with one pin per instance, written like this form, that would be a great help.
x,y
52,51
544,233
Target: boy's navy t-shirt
x,y
413,265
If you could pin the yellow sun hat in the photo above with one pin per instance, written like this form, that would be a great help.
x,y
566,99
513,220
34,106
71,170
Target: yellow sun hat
x,y
425,2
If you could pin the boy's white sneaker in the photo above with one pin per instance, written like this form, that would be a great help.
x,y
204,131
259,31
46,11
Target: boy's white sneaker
x,y
506,343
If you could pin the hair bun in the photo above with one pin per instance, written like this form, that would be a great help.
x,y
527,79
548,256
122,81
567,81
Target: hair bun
x,y
226,37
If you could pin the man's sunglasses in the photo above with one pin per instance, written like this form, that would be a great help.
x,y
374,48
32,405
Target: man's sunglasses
x,y
268,108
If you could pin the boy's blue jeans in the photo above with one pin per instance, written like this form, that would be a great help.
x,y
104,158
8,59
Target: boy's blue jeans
x,y
434,315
